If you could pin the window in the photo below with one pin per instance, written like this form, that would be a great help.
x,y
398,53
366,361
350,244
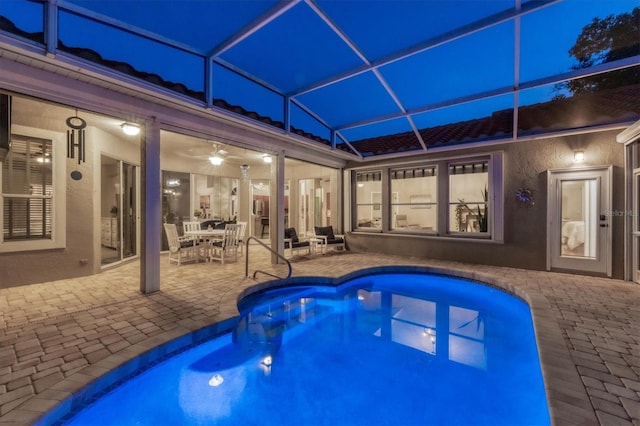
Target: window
x,y
414,199
368,199
27,190
468,197
448,198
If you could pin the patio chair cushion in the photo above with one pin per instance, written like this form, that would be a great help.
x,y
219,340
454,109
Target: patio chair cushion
x,y
290,233
296,244
325,230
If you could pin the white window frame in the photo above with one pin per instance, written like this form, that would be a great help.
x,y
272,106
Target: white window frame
x,y
58,208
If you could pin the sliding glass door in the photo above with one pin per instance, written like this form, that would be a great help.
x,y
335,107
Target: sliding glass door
x,y
118,210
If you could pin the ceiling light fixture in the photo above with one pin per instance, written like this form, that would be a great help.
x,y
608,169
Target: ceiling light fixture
x,y
244,169
267,158
578,156
130,129
216,160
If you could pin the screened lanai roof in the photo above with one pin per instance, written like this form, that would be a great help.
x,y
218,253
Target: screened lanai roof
x,y
366,77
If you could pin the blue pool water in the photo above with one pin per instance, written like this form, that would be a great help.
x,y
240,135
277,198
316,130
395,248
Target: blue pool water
x,y
391,349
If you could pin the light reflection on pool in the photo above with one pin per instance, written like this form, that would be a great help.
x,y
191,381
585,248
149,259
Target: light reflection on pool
x,y
383,349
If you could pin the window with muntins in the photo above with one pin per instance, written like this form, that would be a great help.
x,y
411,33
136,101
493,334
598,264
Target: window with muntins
x,y
447,198
414,195
27,190
368,200
469,197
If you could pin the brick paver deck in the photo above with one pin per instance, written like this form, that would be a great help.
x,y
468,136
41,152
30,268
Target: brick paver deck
x,y
57,337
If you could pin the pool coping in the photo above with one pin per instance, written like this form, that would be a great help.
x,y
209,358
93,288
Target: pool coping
x,y
567,398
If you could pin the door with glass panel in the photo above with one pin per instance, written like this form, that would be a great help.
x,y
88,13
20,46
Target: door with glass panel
x,y
635,231
119,211
579,231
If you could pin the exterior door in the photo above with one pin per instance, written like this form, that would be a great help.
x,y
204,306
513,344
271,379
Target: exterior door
x,y
579,232
635,229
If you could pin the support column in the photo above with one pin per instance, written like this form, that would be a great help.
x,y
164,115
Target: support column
x,y
150,209
276,210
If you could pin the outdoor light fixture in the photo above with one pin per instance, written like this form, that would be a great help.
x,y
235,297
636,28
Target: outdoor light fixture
x,y
130,129
75,137
267,158
578,156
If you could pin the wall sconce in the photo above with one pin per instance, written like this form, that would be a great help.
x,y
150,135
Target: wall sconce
x,y
578,156
267,158
130,129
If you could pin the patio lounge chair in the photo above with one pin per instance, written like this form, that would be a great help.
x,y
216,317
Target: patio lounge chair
x,y
293,243
326,238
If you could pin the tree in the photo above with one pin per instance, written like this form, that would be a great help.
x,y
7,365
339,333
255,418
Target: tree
x,y
605,40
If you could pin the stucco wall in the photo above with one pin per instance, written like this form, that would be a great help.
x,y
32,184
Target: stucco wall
x,y
81,218
525,230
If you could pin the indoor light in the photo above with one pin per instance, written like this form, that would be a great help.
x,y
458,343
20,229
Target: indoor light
x,y
578,156
216,160
130,129
266,158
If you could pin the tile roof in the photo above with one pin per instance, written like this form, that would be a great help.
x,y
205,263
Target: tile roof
x,y
617,105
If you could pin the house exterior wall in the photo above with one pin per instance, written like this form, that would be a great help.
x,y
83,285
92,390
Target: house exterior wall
x,y
525,228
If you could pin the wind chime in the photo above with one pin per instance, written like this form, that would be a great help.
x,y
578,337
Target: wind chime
x,y
75,139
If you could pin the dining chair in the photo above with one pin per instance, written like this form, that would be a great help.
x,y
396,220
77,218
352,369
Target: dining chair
x,y
242,236
180,249
226,248
198,242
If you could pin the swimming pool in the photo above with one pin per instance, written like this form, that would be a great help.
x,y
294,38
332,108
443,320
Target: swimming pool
x,y
383,349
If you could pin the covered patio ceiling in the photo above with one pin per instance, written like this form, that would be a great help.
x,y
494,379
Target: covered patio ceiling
x,y
367,77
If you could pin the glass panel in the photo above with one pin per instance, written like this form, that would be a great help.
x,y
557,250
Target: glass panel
x,y
595,100
468,197
369,199
293,60
23,18
260,196
161,64
384,128
484,119
482,61
176,207
579,211
129,210
414,199
27,186
305,125
313,196
377,101
410,22
110,210
636,212
216,197
608,29
201,24
236,93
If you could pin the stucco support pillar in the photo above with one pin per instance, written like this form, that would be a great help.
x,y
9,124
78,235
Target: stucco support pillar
x,y
276,211
150,209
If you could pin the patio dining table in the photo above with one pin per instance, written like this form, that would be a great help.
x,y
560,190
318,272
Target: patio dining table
x,y
203,234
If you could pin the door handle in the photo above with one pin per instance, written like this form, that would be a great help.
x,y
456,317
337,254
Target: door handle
x,y
604,225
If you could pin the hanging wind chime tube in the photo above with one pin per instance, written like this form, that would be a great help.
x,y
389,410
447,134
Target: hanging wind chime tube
x,y
75,137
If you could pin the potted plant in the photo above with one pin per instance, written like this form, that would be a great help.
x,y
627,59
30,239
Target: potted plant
x,y
197,213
